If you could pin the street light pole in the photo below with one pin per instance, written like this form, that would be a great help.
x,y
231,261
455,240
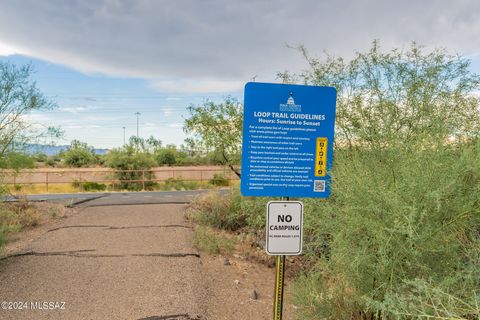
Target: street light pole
x,y
138,115
124,135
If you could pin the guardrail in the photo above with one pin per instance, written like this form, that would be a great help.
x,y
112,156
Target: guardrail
x,y
111,176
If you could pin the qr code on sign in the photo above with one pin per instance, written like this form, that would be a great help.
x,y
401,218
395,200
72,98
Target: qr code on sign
x,y
319,185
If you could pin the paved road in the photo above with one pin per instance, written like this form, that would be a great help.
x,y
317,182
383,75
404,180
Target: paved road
x,y
119,198
109,262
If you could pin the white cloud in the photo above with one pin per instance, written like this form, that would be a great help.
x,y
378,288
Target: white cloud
x,y
228,43
175,125
74,110
196,86
6,50
83,126
167,112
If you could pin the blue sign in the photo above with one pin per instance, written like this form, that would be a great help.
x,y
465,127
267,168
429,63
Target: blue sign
x,y
287,140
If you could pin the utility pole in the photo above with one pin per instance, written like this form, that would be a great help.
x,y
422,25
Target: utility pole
x,y
124,135
138,115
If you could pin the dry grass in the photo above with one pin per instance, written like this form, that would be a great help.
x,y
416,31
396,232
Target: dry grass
x,y
25,189
21,215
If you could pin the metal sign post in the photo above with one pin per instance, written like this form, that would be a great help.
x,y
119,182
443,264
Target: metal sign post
x,y
279,284
283,237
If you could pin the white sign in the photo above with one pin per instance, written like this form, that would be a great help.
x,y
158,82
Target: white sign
x,y
284,227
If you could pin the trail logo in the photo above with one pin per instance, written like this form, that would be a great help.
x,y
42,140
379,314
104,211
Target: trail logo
x,y
290,105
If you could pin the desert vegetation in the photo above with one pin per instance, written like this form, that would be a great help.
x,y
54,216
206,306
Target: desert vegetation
x,y
400,236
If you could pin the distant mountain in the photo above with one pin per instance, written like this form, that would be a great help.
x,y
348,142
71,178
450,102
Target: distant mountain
x,y
50,150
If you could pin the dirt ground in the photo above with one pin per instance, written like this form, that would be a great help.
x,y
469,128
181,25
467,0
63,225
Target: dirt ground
x,y
230,289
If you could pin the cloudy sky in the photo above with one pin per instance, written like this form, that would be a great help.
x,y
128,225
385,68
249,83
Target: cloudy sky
x,y
103,61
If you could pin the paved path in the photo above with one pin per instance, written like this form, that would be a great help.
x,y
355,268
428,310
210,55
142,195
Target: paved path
x,y
118,198
109,262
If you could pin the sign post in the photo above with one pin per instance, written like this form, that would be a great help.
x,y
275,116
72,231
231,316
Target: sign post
x,y
279,285
287,151
283,237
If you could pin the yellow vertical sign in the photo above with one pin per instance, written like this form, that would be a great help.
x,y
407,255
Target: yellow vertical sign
x,y
321,157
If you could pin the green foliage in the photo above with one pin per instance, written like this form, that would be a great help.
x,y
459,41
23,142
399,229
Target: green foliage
x,y
40,157
79,154
3,239
218,127
50,162
229,212
386,98
89,186
6,229
396,217
166,156
19,96
219,180
127,158
399,238
16,161
206,240
179,184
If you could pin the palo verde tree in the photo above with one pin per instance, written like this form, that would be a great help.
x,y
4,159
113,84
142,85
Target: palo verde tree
x,y
218,127
133,162
399,238
403,95
19,97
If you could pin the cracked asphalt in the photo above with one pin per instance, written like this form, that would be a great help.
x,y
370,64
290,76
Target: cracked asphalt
x,y
108,262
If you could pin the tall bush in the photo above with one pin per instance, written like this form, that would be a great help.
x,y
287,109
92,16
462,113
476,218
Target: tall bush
x,y
400,236
79,154
129,161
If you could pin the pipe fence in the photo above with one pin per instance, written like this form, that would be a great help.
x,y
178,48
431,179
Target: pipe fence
x,y
114,178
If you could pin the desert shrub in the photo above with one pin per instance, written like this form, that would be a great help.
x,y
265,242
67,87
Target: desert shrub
x,y
219,180
18,215
130,164
40,157
10,222
179,184
397,217
213,209
50,162
5,230
166,156
89,186
229,211
399,237
15,216
94,186
79,154
16,161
